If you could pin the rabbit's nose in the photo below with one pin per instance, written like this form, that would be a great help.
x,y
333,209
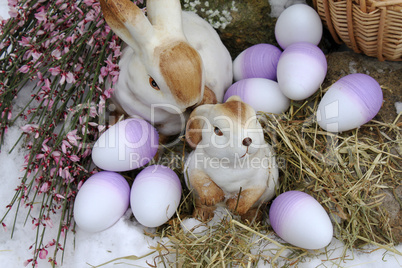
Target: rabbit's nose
x,y
247,141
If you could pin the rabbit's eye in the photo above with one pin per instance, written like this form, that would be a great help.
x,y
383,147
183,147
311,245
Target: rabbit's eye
x,y
153,84
218,131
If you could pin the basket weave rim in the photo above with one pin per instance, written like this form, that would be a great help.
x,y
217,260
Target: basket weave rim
x,y
371,5
373,31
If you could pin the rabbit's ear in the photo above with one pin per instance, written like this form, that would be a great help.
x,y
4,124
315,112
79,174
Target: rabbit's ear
x,y
165,15
127,21
195,124
234,98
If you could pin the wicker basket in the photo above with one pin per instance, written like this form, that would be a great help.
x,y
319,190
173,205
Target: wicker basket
x,y
372,27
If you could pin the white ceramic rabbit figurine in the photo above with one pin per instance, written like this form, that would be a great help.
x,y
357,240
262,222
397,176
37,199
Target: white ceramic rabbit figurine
x,y
173,60
232,164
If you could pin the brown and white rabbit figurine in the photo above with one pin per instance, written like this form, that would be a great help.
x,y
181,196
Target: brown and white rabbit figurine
x,y
231,157
173,60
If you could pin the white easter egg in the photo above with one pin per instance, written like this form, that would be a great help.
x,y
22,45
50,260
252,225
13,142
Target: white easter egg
x,y
302,68
258,61
261,94
349,103
155,195
298,23
127,145
300,220
101,201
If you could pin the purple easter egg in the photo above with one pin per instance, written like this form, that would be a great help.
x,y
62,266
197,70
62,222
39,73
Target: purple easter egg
x,y
102,201
300,220
349,103
302,68
258,61
262,94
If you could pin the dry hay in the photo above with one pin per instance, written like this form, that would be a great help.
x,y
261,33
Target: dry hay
x,y
348,173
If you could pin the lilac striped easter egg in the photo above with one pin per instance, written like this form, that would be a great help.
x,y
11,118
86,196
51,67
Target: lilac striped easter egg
x,y
349,103
300,220
262,94
258,61
101,201
302,68
155,195
127,145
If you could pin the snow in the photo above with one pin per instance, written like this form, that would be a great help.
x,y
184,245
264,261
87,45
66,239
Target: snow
x,y
127,237
398,107
4,9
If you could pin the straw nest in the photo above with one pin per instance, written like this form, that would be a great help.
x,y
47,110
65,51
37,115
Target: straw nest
x,y
348,173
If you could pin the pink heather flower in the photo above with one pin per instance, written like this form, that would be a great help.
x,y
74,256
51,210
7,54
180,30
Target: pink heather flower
x,y
70,78
113,45
45,187
51,243
12,3
45,44
79,10
13,12
60,196
49,223
62,79
71,38
91,41
56,54
65,144
63,148
90,16
36,55
67,175
39,156
74,158
92,111
53,171
29,128
63,6
110,64
115,75
72,137
55,70
27,262
41,16
87,152
43,253
89,2
49,103
80,184
56,156
27,54
24,69
25,42
4,226
40,77
66,50
45,147
104,71
46,86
